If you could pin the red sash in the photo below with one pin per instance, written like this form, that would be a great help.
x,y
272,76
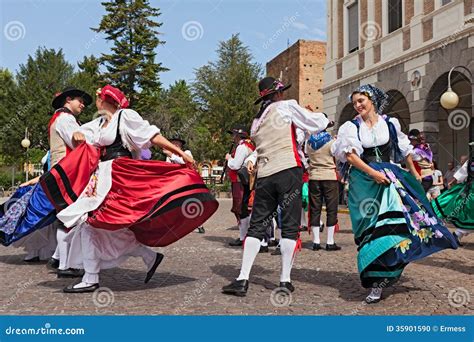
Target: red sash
x,y
65,181
233,173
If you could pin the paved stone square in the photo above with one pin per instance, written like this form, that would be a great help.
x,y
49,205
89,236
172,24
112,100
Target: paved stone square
x,y
189,281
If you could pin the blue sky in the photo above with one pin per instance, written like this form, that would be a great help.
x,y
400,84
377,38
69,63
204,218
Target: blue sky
x,y
191,29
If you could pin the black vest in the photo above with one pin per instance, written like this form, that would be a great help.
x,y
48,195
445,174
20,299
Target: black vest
x,y
116,149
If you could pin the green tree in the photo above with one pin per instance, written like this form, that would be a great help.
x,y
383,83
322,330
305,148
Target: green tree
x,y
132,27
8,89
176,113
44,74
225,91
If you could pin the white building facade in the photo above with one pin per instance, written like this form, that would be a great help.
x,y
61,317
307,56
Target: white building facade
x,y
407,48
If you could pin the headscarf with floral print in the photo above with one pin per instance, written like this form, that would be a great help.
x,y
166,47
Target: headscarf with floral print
x,y
378,97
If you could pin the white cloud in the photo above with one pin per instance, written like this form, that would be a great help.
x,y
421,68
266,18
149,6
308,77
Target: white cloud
x,y
300,26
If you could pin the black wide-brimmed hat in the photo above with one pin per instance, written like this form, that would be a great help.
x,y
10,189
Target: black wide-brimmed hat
x,y
178,138
59,98
239,130
270,85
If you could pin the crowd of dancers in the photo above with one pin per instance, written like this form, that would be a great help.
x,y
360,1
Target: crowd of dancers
x,y
102,200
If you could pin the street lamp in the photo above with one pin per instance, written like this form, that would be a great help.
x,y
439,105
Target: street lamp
x,y
450,99
25,143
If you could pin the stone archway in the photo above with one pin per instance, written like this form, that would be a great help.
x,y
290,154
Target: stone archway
x,y
348,113
453,135
398,108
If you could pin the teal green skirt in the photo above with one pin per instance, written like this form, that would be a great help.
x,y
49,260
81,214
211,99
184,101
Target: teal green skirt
x,y
392,225
457,205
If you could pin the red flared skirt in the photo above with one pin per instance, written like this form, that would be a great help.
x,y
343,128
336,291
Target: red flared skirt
x,y
159,202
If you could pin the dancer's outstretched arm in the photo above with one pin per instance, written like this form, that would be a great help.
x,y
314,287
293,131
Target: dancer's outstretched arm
x,y
165,144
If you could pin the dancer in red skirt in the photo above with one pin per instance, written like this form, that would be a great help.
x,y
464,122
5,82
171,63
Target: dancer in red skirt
x,y
119,205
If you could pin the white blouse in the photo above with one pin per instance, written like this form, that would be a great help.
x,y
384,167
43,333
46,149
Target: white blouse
x,y
175,159
461,174
134,130
348,141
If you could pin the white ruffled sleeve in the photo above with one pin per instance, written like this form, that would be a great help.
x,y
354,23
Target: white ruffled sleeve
x,y
347,141
305,119
403,142
90,131
136,132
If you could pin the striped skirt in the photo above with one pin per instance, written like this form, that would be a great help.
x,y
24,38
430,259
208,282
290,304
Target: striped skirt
x,y
392,224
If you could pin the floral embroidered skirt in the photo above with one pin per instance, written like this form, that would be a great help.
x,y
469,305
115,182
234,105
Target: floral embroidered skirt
x,y
392,225
457,205
25,212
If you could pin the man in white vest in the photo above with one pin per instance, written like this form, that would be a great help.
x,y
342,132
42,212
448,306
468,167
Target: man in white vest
x,y
279,178
67,105
323,184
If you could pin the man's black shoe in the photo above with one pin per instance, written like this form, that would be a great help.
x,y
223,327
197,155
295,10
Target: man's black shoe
x,y
321,229
236,243
277,251
332,247
151,272
71,289
201,230
273,243
316,247
70,273
53,264
34,259
237,288
263,249
287,285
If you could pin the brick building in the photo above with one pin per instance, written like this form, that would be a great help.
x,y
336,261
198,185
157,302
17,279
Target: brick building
x,y
406,47
302,65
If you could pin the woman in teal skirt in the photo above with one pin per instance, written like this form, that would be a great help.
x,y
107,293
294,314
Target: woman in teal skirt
x,y
392,221
457,204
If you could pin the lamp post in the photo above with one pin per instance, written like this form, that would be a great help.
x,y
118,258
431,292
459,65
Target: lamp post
x,y
25,143
450,100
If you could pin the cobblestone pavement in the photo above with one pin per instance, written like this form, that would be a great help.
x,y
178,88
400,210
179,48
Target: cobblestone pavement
x,y
190,278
